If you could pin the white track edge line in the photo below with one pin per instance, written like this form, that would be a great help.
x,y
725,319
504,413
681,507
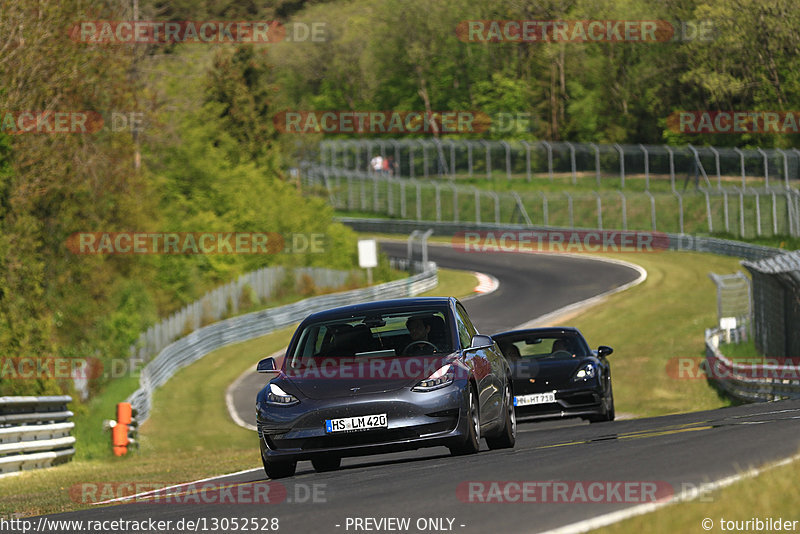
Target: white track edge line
x,y
615,517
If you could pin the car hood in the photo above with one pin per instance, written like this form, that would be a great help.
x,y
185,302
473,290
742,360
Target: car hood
x,y
543,374
362,376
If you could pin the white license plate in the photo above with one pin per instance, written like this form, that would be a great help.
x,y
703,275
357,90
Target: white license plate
x,y
535,398
362,422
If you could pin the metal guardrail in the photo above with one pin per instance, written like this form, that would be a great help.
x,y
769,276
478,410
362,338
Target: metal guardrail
x,y
725,247
191,348
34,433
750,383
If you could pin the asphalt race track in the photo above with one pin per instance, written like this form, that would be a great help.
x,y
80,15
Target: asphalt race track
x,y
601,468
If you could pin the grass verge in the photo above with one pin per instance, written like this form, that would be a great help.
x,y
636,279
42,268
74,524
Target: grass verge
x,y
772,494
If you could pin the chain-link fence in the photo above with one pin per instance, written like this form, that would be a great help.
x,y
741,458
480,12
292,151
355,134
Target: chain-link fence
x,y
776,305
637,167
743,212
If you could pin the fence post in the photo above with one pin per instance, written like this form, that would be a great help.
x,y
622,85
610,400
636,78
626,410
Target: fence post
x,y
570,210
624,210
544,208
477,204
596,162
469,158
741,162
621,163
652,210
424,158
708,211
758,215
572,163
508,158
599,210
741,214
716,160
403,199
774,214
438,203
455,203
766,167
671,167
785,167
646,167
527,159
488,158
549,159
725,209
419,202
496,206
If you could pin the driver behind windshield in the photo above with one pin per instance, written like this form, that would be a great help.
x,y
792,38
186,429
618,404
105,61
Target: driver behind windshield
x,y
419,330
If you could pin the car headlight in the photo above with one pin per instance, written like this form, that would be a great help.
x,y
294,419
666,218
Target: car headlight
x,y
275,395
442,377
586,371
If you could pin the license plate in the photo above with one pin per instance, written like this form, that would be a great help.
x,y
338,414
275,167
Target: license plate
x,y
362,422
535,398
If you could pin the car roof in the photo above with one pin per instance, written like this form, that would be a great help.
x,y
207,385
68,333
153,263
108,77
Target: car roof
x,y
544,332
360,309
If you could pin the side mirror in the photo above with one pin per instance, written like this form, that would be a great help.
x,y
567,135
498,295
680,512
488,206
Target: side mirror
x,y
604,350
267,365
481,342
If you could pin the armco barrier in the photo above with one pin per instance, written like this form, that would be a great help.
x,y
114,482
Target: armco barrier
x,y
750,383
200,342
34,432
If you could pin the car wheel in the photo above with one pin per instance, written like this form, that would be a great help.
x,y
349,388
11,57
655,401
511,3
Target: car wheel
x,y
472,443
508,434
608,413
279,469
326,463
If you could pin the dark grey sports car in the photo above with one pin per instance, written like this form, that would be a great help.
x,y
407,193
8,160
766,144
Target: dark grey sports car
x,y
384,376
556,374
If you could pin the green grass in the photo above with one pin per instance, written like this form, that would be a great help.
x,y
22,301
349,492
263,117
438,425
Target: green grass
x,y
176,445
772,494
654,322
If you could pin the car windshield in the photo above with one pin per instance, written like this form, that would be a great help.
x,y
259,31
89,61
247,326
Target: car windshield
x,y
377,334
541,347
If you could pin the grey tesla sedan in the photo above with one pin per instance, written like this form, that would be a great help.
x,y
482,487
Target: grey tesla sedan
x,y
384,376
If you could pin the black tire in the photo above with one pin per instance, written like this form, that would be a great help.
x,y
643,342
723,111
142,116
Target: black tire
x,y
508,434
472,443
608,409
326,463
279,469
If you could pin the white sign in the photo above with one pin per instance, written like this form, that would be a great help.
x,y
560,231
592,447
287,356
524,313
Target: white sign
x,y
367,253
727,323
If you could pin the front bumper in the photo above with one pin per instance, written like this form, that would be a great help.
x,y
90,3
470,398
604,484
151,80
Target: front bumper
x,y
571,402
415,420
